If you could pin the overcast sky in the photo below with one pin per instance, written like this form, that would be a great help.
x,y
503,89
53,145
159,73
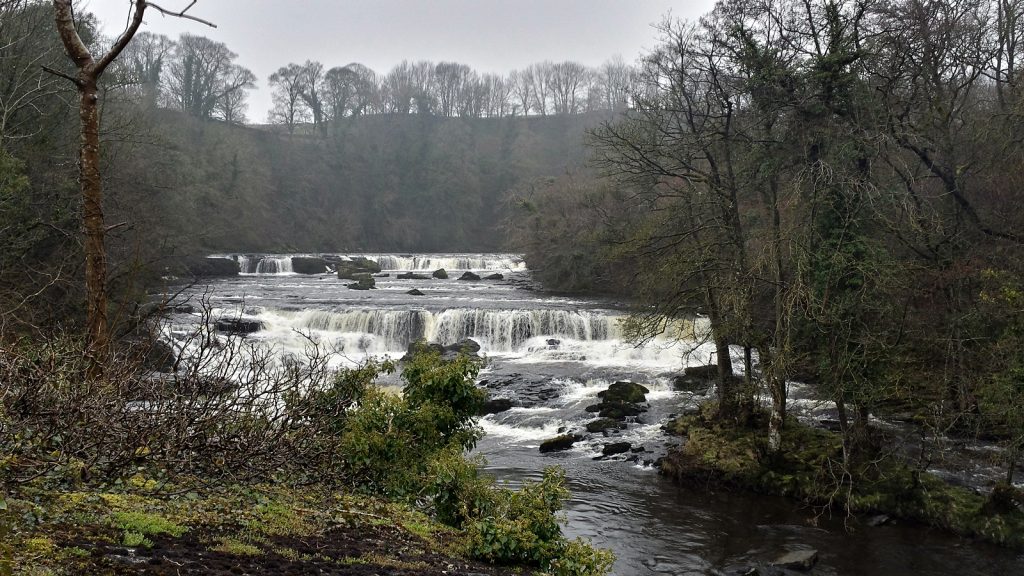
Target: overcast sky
x,y
488,35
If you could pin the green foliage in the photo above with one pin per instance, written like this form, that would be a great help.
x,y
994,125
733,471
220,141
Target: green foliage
x,y
448,389
147,524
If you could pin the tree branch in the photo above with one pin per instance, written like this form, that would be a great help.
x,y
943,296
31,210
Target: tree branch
x,y
183,14
74,80
123,39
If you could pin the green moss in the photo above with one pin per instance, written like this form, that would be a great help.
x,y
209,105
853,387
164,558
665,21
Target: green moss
x,y
147,524
237,547
809,468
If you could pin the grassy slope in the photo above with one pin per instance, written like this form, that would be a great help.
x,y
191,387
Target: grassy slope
x,y
269,529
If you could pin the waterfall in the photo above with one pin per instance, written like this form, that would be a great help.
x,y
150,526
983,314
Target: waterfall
x,y
448,261
260,263
274,265
497,330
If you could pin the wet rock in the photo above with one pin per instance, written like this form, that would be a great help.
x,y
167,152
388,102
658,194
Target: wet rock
x,y
440,274
602,424
879,520
802,560
468,346
349,269
619,411
615,410
212,267
238,326
529,389
638,449
558,443
708,372
495,406
554,342
616,448
830,424
469,276
494,276
684,383
624,392
426,347
308,265
384,275
362,282
411,276
414,292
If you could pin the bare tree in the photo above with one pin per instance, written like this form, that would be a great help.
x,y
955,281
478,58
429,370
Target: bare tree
x,y
289,108
90,69
311,90
201,73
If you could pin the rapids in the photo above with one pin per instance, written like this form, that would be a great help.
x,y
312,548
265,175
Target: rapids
x,y
551,355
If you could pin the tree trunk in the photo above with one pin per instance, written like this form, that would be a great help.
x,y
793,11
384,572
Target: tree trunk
x,y
726,388
92,218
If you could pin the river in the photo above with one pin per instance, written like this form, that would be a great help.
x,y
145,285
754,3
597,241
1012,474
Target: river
x,y
551,355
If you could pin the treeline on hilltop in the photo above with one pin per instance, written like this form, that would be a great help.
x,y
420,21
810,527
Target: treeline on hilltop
x,y
198,76
838,187
182,177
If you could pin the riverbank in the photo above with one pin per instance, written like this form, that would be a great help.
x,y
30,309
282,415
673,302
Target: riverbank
x,y
145,528
809,468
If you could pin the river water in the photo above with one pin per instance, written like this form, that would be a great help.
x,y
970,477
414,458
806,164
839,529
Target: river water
x,y
551,355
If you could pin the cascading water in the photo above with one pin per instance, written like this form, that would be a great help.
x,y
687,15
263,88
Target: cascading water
x,y
496,262
497,330
551,356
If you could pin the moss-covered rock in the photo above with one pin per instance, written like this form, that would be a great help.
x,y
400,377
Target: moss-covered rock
x,y
362,282
624,392
558,443
602,424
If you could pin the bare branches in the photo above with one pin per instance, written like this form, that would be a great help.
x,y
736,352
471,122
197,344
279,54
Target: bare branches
x,y
182,14
58,73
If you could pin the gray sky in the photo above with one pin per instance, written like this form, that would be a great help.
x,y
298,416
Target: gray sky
x,y
488,35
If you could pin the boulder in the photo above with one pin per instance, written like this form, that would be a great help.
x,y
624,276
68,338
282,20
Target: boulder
x,y
624,392
414,292
308,265
469,276
349,269
411,276
468,347
708,372
802,560
212,267
495,406
615,410
684,383
494,276
563,442
440,274
554,342
422,347
615,448
384,275
362,282
602,424
238,325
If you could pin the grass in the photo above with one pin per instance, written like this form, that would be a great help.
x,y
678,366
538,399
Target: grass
x,y
59,531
